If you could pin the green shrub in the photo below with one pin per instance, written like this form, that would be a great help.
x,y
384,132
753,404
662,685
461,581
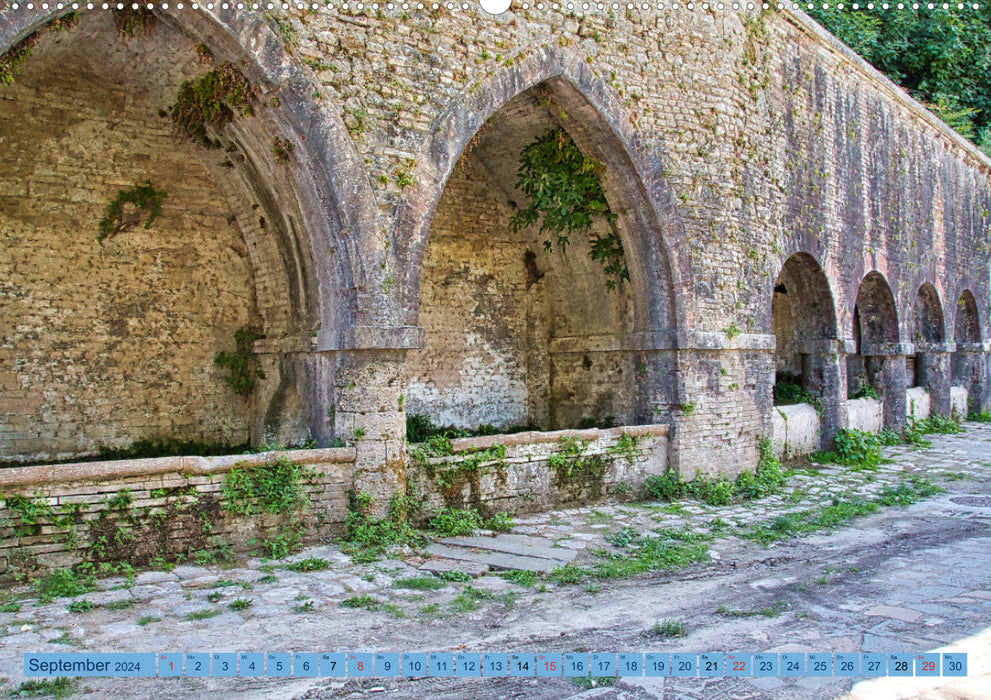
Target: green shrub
x,y
275,487
500,522
453,522
854,448
666,487
66,583
979,417
939,424
714,492
866,391
789,393
241,365
767,479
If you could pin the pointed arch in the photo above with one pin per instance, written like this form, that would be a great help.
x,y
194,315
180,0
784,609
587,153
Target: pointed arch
x,y
876,313
967,321
327,192
633,180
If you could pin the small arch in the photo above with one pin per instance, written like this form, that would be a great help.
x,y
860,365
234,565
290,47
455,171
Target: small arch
x,y
875,323
802,312
967,324
968,362
929,332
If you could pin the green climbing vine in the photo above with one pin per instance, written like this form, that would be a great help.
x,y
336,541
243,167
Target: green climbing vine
x,y
566,197
143,197
129,20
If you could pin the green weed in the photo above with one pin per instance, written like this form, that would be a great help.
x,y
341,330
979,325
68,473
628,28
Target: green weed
x,y
668,628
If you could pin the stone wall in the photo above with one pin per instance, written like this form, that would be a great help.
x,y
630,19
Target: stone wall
x,y
797,431
612,464
106,342
165,509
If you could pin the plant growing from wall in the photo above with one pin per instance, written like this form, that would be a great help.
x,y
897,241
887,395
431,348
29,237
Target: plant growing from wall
x,y
241,365
126,210
129,21
210,101
566,198
12,60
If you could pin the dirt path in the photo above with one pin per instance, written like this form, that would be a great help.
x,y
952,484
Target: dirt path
x,y
907,579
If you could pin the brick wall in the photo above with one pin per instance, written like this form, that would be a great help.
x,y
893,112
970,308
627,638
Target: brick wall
x,y
105,343
142,510
522,481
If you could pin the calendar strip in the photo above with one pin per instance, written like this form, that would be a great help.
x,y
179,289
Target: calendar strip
x,y
521,664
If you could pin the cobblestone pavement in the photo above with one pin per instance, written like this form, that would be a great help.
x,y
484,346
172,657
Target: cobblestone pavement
x,y
914,578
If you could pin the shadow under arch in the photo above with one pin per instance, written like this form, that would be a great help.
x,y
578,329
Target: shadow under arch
x,y
969,364
633,182
330,192
929,368
302,221
879,359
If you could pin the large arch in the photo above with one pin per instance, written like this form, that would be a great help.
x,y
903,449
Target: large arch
x,y
969,362
289,214
599,125
648,224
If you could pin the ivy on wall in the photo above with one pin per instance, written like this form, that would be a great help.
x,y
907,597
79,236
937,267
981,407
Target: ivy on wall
x,y
121,217
566,197
14,57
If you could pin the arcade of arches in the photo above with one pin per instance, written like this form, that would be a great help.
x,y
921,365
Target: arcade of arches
x,y
358,220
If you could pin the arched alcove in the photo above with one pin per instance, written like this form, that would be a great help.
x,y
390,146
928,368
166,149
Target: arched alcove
x,y
112,338
875,324
968,362
929,335
802,313
516,332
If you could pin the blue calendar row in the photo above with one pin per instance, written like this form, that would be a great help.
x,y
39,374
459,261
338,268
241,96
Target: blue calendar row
x,y
475,665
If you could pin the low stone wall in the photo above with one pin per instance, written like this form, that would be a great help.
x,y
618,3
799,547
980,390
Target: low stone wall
x,y
540,470
795,430
917,404
959,397
146,509
866,415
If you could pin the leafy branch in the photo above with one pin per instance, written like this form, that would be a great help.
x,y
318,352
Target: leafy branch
x,y
566,197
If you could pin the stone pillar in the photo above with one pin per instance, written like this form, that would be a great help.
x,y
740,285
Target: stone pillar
x,y
972,368
291,402
824,368
724,402
370,409
886,365
933,371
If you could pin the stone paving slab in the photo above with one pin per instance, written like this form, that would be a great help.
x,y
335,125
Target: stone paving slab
x,y
520,546
496,560
440,566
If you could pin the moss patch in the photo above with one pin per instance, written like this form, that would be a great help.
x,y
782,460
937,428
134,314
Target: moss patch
x,y
210,101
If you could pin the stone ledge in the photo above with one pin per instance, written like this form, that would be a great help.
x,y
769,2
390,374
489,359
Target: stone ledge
x,y
886,349
536,438
118,469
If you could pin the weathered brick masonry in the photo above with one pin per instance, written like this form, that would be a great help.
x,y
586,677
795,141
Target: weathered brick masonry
x,y
744,154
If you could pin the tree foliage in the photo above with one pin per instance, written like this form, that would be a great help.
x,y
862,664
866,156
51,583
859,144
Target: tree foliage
x,y
941,57
566,197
